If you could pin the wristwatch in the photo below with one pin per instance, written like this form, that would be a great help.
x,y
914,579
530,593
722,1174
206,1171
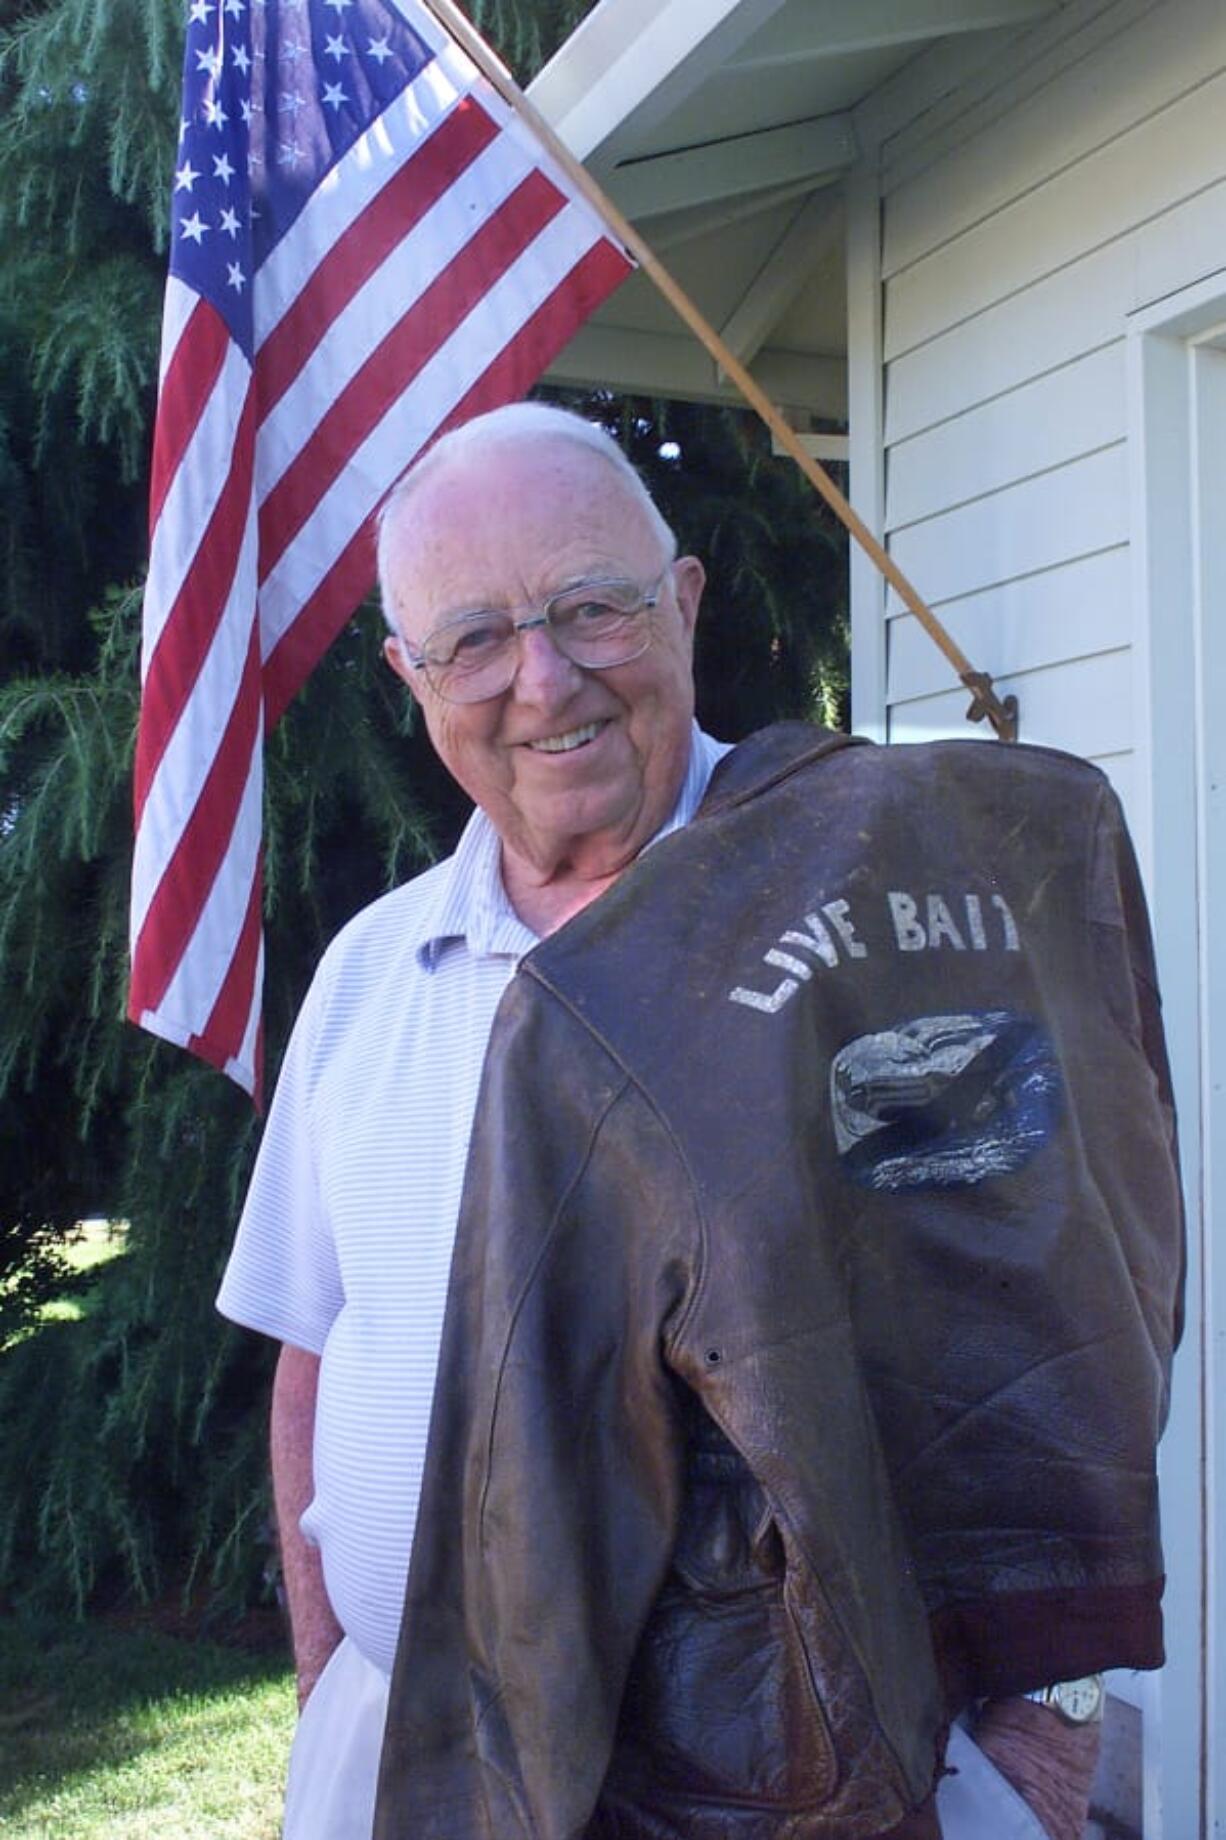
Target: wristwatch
x,y
1078,1702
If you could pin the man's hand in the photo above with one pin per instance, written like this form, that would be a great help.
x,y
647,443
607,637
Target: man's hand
x,y
313,1626
1050,1763
311,1657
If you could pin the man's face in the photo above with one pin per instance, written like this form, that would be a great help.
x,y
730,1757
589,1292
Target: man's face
x,y
508,531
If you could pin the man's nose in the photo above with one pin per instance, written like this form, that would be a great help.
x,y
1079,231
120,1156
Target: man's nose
x,y
543,674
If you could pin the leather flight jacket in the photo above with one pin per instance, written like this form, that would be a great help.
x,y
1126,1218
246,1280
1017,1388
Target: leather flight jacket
x,y
811,1313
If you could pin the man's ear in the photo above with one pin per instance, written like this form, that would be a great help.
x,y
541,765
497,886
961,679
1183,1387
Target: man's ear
x,y
689,580
393,652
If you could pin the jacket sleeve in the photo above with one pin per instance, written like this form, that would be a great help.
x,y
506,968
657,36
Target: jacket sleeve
x,y
1129,984
1080,1403
553,1475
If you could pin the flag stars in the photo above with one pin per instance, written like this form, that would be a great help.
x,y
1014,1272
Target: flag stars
x,y
250,110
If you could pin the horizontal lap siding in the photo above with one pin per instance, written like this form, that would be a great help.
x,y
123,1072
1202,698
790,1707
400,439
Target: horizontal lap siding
x,y
1050,114
1135,178
1022,625
1024,218
1041,424
1077,510
1082,706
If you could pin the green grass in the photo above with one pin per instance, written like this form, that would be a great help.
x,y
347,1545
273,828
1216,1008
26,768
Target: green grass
x,y
94,1243
113,1733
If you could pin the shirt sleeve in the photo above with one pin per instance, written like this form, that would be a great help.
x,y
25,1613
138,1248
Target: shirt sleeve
x,y
283,1277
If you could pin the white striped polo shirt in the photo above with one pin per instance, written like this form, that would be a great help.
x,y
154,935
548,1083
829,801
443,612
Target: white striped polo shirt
x,y
344,1246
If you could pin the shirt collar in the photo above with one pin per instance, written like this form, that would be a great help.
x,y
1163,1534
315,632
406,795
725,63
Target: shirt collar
x,y
472,904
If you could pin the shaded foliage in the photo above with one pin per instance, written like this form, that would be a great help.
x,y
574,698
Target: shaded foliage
x,y
526,33
87,136
772,637
155,1469
132,1442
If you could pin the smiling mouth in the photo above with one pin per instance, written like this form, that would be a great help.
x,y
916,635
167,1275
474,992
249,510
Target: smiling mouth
x,y
563,744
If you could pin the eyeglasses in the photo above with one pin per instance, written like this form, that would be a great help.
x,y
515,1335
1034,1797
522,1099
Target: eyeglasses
x,y
597,625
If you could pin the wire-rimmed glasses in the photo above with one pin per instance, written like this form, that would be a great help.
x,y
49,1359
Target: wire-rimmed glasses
x,y
596,624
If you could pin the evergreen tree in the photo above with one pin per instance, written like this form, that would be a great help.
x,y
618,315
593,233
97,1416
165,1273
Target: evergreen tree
x,y
85,144
132,1441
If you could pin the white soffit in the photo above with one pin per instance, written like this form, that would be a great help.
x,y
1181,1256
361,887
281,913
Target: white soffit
x,y
722,128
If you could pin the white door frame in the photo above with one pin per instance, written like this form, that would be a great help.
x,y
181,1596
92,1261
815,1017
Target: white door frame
x,y
1177,406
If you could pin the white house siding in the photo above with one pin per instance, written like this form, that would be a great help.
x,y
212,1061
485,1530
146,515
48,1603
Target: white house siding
x,y
1036,210
1026,209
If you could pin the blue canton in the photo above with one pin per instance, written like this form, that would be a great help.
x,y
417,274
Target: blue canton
x,y
275,93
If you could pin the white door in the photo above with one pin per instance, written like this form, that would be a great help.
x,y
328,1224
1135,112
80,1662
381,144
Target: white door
x,y
1178,391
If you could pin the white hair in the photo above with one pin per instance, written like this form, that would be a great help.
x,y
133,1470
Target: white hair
x,y
511,425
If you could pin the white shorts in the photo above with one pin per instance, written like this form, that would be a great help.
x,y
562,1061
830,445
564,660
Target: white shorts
x,y
334,1760
334,1767
979,1803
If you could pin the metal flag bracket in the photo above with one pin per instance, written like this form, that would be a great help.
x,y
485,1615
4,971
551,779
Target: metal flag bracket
x,y
985,704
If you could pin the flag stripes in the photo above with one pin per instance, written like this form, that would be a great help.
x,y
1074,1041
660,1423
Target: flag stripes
x,y
355,256
186,389
505,378
420,334
191,626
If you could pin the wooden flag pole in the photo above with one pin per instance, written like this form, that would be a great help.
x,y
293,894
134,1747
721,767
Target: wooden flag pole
x,y
984,700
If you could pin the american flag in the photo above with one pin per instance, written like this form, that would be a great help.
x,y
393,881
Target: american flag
x,y
367,246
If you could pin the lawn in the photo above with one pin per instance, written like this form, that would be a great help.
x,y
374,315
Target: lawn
x,y
94,1243
119,1733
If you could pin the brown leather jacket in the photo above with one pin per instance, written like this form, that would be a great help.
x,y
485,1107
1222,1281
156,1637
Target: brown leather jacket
x,y
811,1314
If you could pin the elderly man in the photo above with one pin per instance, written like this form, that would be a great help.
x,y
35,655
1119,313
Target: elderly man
x,y
541,618
572,730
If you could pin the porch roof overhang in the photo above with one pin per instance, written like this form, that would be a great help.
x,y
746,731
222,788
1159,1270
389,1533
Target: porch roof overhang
x,y
723,130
